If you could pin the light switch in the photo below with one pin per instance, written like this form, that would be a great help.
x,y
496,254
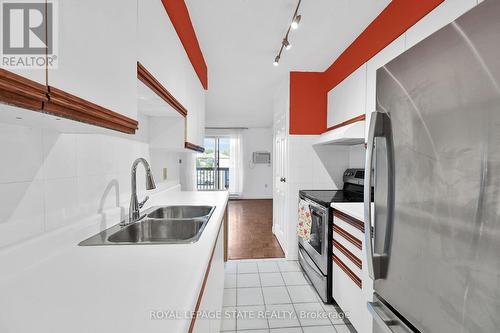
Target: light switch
x,y
165,173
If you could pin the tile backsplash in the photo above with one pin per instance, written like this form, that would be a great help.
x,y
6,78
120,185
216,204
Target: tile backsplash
x,y
49,179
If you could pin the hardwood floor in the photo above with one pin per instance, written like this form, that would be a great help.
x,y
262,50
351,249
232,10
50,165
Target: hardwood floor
x,y
250,230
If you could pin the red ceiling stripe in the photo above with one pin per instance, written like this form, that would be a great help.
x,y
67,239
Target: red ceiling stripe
x,y
179,16
309,117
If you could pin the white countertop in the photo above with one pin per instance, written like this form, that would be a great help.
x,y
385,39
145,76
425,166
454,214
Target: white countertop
x,y
354,209
113,288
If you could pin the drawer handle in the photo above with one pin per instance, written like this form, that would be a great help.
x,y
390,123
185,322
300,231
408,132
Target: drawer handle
x,y
356,242
348,271
351,256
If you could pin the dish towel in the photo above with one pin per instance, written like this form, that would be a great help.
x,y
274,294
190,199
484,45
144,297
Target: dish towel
x,y
305,221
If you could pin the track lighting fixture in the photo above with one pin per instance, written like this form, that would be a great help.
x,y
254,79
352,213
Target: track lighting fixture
x,y
295,22
276,62
285,43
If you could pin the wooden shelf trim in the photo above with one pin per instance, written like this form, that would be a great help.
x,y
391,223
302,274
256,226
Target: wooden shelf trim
x,y
69,106
25,93
21,92
204,283
348,271
351,256
149,80
192,146
349,237
350,220
361,117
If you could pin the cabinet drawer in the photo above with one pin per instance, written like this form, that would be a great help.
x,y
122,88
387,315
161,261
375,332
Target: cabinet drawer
x,y
346,238
349,295
341,269
349,224
353,256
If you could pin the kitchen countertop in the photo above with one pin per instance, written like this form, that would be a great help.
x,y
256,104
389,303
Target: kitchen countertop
x,y
113,288
354,209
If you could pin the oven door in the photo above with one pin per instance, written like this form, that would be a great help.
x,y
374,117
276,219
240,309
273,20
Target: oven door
x,y
317,246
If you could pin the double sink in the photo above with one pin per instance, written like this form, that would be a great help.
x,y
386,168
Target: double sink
x,y
158,225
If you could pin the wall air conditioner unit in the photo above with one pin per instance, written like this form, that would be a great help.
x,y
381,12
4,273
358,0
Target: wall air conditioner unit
x,y
261,157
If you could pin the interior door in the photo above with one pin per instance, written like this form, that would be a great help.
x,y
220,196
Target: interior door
x,y
280,185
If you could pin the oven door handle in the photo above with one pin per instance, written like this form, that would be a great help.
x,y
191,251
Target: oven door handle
x,y
315,205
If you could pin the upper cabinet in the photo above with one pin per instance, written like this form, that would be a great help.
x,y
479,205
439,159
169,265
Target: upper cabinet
x,y
23,51
442,15
347,99
97,53
35,75
161,52
159,49
101,47
195,120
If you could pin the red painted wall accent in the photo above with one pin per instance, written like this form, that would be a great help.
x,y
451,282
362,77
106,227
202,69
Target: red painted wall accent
x,y
308,100
394,20
179,16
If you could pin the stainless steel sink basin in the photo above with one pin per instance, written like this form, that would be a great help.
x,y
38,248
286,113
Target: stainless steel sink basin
x,y
154,231
180,212
158,225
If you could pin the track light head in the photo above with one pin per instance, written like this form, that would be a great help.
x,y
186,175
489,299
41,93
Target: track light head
x,y
276,61
295,22
287,44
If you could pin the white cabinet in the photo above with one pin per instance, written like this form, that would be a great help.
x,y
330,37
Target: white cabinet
x,y
380,59
37,75
445,13
97,53
211,301
161,52
195,120
347,99
352,287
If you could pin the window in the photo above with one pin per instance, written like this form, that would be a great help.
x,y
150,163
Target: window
x,y
219,167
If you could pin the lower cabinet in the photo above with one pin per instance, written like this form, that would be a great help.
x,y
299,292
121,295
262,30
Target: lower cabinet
x,y
352,288
211,301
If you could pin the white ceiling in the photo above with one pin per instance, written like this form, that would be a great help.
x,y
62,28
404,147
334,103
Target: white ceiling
x,y
240,38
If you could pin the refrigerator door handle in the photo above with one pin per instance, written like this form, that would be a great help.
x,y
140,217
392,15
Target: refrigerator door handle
x,y
379,127
385,319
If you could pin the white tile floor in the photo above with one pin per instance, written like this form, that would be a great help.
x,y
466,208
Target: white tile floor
x,y
274,296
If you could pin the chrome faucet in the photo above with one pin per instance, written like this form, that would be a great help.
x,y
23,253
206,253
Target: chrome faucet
x,y
135,205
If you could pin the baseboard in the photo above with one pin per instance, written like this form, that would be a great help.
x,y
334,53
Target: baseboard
x,y
249,197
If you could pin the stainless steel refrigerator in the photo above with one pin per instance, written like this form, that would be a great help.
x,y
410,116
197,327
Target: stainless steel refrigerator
x,y
434,154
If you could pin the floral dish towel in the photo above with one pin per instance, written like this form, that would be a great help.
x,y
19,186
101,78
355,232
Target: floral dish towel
x,y
305,221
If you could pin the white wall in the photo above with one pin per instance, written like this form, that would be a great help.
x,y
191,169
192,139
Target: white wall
x,y
49,180
310,168
357,156
257,178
